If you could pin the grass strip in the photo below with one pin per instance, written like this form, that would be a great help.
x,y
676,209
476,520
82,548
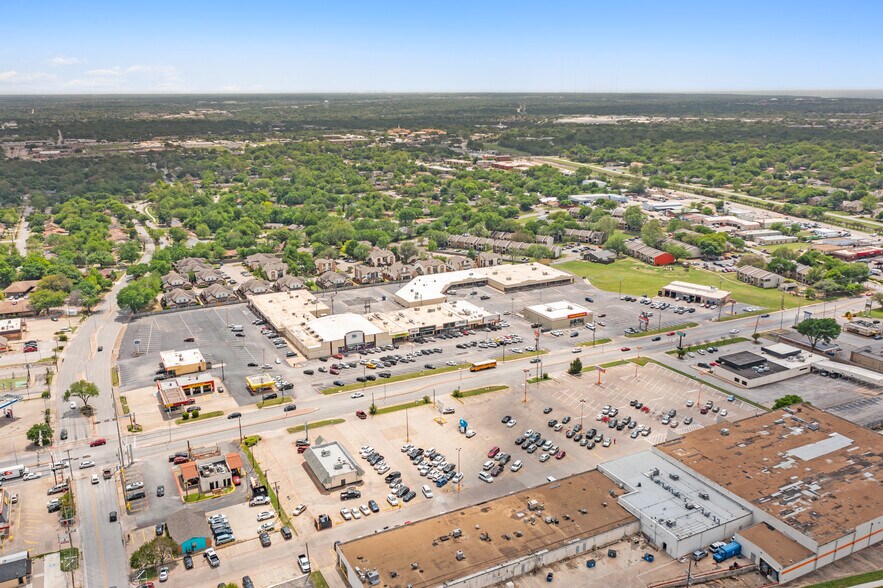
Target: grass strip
x,y
594,343
544,378
850,580
274,401
202,416
315,425
318,580
397,407
522,355
114,377
124,404
477,391
274,500
70,559
398,378
679,327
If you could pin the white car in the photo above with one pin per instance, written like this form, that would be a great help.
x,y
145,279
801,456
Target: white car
x,y
163,574
256,501
544,457
723,412
95,479
299,509
511,423
278,361
356,513
470,433
365,510
267,514
346,514
383,470
733,331
87,464
392,500
266,527
33,476
516,465
138,486
451,363
407,448
427,491
576,350
357,395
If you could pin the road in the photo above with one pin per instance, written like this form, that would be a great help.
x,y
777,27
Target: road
x,y
23,232
104,556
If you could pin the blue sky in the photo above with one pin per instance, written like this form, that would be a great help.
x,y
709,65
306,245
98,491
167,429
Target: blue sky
x,y
87,46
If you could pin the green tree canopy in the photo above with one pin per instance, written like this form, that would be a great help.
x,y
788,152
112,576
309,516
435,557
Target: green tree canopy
x,y
83,390
816,330
787,400
40,434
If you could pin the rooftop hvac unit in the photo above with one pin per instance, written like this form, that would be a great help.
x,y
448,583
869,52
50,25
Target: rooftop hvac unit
x,y
703,495
326,453
456,533
814,426
674,476
655,472
460,556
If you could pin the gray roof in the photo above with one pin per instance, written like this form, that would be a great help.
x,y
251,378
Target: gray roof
x,y
187,524
15,566
329,460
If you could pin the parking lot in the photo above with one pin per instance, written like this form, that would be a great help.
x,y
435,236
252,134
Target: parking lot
x,y
228,354
32,527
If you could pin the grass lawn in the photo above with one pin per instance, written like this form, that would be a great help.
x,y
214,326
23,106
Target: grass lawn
x,y
513,356
597,342
202,416
399,378
398,407
477,391
792,246
318,580
850,580
274,401
315,425
70,559
639,278
678,327
545,378
198,496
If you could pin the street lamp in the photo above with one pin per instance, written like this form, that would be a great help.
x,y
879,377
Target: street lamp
x,y
239,420
582,404
526,371
620,288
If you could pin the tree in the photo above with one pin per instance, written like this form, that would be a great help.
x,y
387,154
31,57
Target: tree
x,y
878,298
178,235
576,367
751,259
136,296
407,251
86,295
83,390
615,243
46,300
712,245
633,217
58,282
787,401
780,266
153,553
129,251
676,251
652,233
40,434
816,330
537,251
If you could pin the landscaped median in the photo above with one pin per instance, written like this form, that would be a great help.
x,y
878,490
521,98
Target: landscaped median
x,y
274,500
396,407
719,343
594,343
679,327
200,417
514,356
274,401
398,378
609,364
315,425
477,391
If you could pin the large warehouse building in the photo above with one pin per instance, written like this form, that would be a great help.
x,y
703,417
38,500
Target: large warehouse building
x,y
494,541
799,488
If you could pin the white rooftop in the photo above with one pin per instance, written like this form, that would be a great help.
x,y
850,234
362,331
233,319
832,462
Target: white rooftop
x,y
10,324
330,460
558,310
698,289
334,327
178,358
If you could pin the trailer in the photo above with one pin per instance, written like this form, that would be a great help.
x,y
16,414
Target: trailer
x,y
729,550
16,471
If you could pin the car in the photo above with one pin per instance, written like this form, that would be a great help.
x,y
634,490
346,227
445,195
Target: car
x,y
544,457
734,331
561,454
699,554
688,420
299,509
265,539
160,529
357,395
163,574
259,500
373,506
339,383
98,442
87,464
576,350
656,338
547,410
625,349
506,419
303,563
765,315
511,423
234,415
470,433
606,442
392,499
723,411
211,555
32,476
252,364
63,434
134,486
188,562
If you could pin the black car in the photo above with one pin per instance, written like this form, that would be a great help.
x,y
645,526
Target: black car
x,y
265,539
160,529
384,374
113,516
361,379
656,338
370,377
402,491
409,496
547,410
252,364
160,490
589,299
565,420
309,372
373,506
577,428
234,415
338,383
552,422
63,434
519,440
289,408
246,582
506,419
392,476
188,562
429,366
569,434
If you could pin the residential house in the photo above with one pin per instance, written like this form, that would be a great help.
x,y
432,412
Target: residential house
x,y
456,263
380,257
288,282
178,298
427,267
758,277
398,272
332,280
637,249
488,259
173,280
191,264
325,264
254,286
801,273
693,252
207,277
19,288
367,274
584,236
217,293
271,266
600,256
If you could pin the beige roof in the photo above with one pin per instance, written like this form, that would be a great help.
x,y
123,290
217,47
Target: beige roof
x,y
784,550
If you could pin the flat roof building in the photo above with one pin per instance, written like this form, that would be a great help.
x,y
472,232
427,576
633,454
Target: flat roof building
x,y
11,328
695,292
810,476
558,315
758,277
750,370
177,392
493,541
332,465
179,363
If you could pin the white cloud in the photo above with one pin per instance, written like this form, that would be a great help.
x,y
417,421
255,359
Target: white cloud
x,y
123,79
60,60
15,77
8,75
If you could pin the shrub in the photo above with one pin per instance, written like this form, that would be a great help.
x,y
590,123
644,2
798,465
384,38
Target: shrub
x,y
185,416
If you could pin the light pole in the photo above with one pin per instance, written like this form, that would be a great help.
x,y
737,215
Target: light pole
x,y
582,404
526,371
239,420
620,288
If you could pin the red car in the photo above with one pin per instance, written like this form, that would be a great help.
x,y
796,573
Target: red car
x,y
645,409
626,349
670,334
361,414
494,451
560,454
179,460
97,442
337,356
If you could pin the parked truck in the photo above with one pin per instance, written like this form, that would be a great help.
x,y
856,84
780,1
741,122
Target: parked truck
x,y
729,550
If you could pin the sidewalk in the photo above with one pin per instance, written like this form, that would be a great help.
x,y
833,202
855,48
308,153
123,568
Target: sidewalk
x,y
47,572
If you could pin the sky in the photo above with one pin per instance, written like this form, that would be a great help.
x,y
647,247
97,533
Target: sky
x,y
194,46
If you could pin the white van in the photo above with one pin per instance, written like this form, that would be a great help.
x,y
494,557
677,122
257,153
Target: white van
x,y
485,476
236,328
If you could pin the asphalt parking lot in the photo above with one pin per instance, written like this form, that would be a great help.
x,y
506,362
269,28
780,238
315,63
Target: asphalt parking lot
x,y
208,326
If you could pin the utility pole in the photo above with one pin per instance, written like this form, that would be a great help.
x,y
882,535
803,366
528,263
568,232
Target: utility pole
x,y
582,404
526,371
407,427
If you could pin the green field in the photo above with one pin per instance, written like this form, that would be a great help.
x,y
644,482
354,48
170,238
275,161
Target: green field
x,y
478,391
798,246
850,580
639,278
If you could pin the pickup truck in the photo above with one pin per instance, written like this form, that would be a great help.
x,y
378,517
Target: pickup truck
x,y
304,563
107,473
212,557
